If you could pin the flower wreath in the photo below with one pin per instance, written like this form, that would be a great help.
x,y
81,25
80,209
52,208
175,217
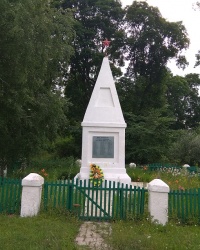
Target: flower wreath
x,y
96,174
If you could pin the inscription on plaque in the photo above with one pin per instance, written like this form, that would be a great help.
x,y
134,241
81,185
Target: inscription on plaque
x,y
103,147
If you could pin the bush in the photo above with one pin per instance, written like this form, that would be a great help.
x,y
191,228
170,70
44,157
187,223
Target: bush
x,y
186,149
140,174
65,147
50,169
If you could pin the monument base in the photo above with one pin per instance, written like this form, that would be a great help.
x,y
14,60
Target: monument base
x,y
121,178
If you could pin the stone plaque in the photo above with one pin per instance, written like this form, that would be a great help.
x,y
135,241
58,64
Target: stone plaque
x,y
103,147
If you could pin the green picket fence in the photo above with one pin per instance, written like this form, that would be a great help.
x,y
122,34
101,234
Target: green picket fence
x,y
184,204
108,201
166,167
162,166
10,195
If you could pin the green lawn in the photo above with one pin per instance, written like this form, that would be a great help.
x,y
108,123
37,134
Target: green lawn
x,y
58,230
146,236
46,231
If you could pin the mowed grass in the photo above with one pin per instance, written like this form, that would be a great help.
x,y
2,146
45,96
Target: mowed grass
x,y
142,235
45,231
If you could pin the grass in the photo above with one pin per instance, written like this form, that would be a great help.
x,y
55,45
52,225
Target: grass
x,y
142,235
58,231
139,174
47,231
175,179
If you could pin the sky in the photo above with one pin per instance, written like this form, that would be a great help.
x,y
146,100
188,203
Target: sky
x,y
180,10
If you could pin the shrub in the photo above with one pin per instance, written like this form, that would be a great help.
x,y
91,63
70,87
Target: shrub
x,y
50,169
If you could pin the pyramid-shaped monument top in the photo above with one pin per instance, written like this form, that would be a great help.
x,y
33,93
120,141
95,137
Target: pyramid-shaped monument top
x,y
104,107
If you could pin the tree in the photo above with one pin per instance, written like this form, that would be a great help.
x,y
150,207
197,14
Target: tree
x,y
184,100
147,137
197,55
186,148
95,21
147,41
151,42
34,47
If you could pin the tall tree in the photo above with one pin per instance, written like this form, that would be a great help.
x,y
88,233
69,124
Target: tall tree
x,y
148,137
184,100
151,42
96,20
34,47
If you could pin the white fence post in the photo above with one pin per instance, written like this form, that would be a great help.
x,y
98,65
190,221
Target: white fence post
x,y
158,201
31,194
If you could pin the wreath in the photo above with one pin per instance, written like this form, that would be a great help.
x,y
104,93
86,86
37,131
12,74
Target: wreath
x,y
96,175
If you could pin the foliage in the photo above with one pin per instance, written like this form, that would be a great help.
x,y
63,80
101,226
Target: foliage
x,y
34,46
176,177
183,99
197,7
65,147
45,87
140,174
148,41
180,180
50,169
152,40
197,59
147,137
186,148
95,21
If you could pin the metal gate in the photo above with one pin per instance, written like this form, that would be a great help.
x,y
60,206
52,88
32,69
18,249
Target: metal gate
x,y
108,201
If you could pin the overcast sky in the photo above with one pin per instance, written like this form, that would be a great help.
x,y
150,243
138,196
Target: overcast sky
x,y
180,10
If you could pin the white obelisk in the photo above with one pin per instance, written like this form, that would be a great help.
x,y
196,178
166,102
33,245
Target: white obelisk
x,y
103,130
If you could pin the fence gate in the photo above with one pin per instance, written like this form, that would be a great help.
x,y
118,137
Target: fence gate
x,y
108,201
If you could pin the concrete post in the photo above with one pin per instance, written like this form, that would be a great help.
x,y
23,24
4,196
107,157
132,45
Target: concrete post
x,y
158,201
31,194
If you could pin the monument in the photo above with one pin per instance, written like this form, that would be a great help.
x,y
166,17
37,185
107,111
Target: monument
x,y
103,131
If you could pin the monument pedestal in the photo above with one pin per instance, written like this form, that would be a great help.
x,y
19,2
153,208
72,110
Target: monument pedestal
x,y
110,174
